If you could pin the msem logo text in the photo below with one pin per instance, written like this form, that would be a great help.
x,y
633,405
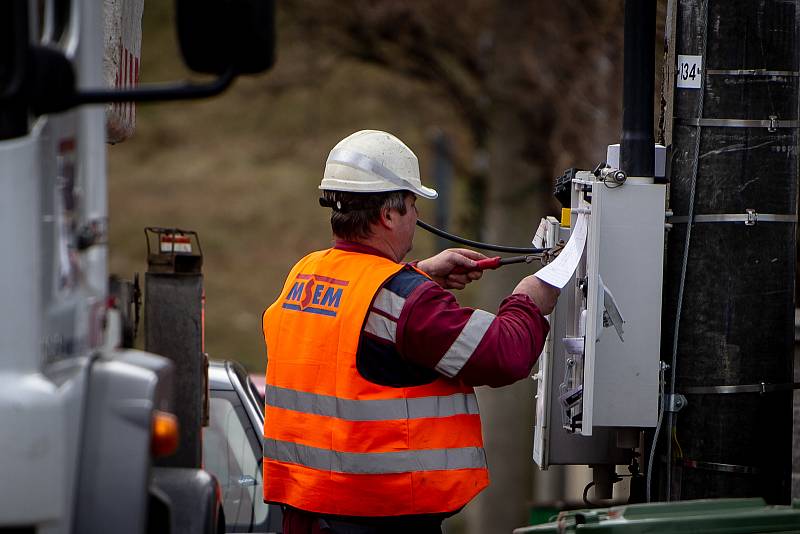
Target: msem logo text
x,y
312,293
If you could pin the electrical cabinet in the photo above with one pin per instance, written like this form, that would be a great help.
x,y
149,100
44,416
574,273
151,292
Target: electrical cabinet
x,y
600,369
553,443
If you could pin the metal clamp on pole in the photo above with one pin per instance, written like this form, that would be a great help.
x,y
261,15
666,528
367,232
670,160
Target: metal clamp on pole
x,y
760,388
724,468
674,402
752,72
750,217
772,123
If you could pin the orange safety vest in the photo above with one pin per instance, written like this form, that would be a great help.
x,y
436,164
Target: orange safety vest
x,y
335,443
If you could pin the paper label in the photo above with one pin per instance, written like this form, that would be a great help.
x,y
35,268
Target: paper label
x,y
559,271
690,72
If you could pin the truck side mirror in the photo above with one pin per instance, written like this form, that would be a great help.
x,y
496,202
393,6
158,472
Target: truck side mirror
x,y
217,36
221,37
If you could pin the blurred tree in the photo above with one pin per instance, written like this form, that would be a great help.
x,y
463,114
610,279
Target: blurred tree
x,y
553,67
537,86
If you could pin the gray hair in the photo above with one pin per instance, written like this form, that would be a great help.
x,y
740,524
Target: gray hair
x,y
354,213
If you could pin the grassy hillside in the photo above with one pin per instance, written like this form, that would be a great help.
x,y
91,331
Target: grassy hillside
x,y
242,170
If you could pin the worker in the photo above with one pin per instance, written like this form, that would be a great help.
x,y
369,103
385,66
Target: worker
x,y
371,420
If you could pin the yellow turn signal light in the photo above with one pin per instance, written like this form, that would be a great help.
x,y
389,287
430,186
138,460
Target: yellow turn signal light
x,y
164,440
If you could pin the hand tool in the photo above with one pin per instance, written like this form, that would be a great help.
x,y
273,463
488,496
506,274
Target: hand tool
x,y
495,262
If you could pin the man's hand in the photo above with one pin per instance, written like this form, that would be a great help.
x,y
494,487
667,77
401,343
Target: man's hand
x,y
543,295
441,267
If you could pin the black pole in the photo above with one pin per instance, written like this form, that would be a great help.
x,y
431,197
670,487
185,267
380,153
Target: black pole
x,y
729,283
173,327
636,157
443,178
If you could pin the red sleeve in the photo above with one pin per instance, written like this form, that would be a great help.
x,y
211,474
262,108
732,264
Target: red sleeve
x,y
474,346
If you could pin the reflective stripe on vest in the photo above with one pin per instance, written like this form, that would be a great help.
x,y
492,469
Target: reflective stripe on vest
x,y
390,303
376,463
374,409
381,326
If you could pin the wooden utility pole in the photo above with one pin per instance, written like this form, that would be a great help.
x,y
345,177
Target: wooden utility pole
x,y
728,311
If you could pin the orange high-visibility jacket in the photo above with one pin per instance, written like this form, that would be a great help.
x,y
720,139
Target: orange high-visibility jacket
x,y
337,444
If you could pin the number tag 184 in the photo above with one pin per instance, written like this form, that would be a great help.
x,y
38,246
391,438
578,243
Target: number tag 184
x,y
690,72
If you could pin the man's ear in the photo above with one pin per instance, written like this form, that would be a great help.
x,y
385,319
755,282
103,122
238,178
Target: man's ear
x,y
385,219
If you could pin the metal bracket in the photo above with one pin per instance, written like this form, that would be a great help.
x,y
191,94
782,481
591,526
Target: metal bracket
x,y
610,174
674,403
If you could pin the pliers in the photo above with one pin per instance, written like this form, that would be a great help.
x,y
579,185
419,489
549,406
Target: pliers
x,y
497,261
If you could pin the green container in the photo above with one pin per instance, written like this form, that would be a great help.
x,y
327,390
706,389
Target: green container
x,y
539,515
717,516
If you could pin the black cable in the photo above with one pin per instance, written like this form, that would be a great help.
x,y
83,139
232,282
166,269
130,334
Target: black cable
x,y
477,244
586,494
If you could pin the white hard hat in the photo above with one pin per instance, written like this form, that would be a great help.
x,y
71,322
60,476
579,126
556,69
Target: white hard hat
x,y
371,161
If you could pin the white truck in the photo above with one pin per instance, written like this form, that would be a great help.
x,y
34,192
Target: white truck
x,y
81,420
